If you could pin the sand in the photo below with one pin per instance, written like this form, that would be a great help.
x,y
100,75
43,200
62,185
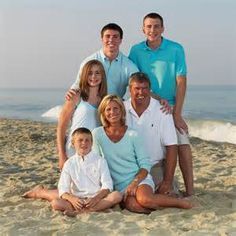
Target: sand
x,y
28,157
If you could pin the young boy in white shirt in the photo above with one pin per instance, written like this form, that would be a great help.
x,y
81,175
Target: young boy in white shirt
x,y
85,183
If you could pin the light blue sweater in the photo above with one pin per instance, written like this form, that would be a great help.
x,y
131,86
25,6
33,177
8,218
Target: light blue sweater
x,y
124,158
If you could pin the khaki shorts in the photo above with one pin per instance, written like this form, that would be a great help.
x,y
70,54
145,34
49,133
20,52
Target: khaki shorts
x,y
182,138
157,173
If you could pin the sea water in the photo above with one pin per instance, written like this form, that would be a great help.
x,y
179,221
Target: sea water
x,y
209,110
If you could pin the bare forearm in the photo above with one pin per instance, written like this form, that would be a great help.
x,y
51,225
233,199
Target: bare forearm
x,y
141,175
61,137
170,165
180,95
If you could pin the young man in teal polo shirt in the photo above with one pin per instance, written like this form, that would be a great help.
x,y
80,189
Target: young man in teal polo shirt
x,y
164,63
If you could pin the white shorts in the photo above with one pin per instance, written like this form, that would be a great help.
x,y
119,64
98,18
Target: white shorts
x,y
148,180
182,138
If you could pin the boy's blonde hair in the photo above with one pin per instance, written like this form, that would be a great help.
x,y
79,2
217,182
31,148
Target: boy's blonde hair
x,y
81,130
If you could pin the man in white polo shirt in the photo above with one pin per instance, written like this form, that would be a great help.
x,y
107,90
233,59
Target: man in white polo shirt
x,y
157,130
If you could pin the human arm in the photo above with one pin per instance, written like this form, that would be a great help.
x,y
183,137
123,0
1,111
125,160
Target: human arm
x,y
170,165
180,124
132,187
92,202
165,106
143,162
75,201
63,122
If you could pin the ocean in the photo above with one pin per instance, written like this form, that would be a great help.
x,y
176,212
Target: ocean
x,y
209,110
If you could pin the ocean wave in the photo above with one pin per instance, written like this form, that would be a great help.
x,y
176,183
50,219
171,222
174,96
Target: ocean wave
x,y
212,130
52,113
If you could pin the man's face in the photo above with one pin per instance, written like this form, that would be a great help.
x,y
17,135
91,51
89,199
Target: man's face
x,y
82,143
139,92
153,29
111,40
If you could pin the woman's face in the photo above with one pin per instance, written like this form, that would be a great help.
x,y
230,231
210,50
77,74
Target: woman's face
x,y
94,76
113,112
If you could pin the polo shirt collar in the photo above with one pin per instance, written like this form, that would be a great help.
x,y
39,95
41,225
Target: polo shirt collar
x,y
162,46
105,58
132,111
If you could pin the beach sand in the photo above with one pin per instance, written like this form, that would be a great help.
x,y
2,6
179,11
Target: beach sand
x,y
28,157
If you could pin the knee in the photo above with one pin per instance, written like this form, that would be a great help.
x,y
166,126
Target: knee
x,y
144,201
116,197
132,205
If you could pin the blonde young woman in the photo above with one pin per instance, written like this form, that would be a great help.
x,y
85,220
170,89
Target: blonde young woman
x,y
81,110
128,162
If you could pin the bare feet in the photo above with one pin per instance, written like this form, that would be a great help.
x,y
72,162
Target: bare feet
x,y
186,204
33,193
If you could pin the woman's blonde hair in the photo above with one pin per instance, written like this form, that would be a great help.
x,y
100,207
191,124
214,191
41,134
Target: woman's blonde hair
x,y
83,83
104,103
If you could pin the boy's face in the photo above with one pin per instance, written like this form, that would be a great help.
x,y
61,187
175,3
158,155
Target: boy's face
x,y
111,40
153,29
82,143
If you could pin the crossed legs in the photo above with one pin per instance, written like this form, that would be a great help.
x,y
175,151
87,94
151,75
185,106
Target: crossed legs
x,y
145,201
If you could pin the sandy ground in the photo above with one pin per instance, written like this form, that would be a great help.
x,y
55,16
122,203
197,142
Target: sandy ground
x,y
28,157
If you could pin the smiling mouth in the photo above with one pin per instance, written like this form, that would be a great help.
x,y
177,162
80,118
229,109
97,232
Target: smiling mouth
x,y
140,97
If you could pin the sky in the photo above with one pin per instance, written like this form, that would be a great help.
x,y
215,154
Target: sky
x,y
42,42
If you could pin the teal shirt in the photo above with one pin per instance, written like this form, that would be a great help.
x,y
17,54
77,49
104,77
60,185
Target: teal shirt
x,y
117,72
124,158
162,66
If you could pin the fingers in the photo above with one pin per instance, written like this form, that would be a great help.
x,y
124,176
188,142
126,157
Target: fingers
x,y
71,93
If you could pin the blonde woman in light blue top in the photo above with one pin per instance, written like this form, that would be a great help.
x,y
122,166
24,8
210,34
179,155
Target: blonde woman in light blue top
x,y
128,163
82,108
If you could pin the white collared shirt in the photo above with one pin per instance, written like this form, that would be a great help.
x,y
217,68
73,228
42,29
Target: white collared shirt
x,y
156,128
84,177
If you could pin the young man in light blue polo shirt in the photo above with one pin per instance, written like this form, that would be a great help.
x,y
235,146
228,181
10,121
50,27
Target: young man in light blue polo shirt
x,y
117,66
164,63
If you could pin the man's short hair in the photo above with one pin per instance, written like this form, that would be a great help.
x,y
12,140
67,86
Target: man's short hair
x,y
82,130
112,26
154,15
139,77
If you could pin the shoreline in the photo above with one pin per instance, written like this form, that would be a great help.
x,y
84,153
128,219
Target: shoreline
x,y
28,157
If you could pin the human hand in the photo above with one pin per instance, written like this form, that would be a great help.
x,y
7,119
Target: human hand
x,y
164,187
166,108
71,93
76,202
131,190
180,124
92,202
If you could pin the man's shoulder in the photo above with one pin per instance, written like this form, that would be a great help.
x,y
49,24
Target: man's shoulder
x,y
127,103
138,46
96,55
155,107
171,43
127,62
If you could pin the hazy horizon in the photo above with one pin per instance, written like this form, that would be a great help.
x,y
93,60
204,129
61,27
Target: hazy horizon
x,y
43,42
